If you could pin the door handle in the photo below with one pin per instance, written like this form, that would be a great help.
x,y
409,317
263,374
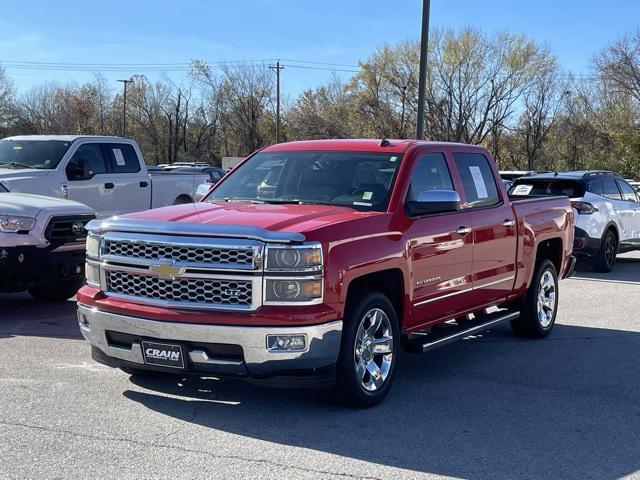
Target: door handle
x,y
463,230
144,184
109,185
508,223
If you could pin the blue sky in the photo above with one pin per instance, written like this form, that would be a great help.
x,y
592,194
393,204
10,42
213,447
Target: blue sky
x,y
333,31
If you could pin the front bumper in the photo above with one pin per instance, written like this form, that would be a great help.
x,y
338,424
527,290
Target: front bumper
x,y
22,267
237,351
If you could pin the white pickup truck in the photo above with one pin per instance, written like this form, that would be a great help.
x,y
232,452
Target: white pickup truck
x,y
106,173
42,243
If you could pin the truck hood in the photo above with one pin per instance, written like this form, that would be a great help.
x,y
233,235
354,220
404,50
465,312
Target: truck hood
x,y
21,173
276,218
31,205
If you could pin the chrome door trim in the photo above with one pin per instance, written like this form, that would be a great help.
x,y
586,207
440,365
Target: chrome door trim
x,y
484,285
442,297
494,282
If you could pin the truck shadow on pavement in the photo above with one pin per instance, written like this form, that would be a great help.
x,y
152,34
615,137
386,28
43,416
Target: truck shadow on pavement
x,y
489,407
626,270
21,315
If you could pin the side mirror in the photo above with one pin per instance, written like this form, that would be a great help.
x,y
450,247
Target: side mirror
x,y
79,169
202,191
435,201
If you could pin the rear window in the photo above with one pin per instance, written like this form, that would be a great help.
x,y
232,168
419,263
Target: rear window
x,y
570,188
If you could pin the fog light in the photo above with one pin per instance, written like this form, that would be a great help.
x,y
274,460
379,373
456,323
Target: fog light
x,y
286,343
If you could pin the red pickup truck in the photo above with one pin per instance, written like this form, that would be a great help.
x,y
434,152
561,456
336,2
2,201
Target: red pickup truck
x,y
312,263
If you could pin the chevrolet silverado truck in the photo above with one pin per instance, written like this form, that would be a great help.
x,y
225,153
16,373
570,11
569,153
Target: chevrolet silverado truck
x,y
356,249
42,245
106,173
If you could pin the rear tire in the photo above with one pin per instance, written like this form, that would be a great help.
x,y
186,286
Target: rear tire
x,y
605,259
368,353
540,305
56,291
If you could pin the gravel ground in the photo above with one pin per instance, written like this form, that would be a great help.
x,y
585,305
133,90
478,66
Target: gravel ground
x,y
489,407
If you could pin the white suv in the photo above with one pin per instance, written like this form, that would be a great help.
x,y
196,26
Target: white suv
x,y
607,211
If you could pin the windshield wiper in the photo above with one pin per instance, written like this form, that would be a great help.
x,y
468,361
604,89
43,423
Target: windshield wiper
x,y
15,165
273,201
282,201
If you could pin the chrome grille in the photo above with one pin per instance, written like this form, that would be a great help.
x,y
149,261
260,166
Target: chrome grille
x,y
202,291
179,253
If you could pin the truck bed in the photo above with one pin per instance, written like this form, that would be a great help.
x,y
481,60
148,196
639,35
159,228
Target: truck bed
x,y
541,219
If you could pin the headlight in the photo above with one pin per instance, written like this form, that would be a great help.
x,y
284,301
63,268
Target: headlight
x,y
93,246
14,224
302,258
292,290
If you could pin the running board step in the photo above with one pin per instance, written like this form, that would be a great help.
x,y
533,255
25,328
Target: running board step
x,y
447,332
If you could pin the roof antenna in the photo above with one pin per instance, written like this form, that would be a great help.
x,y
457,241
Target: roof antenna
x,y
384,142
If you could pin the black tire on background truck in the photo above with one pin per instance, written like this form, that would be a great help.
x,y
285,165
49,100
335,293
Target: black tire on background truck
x,y
368,353
539,306
605,259
56,291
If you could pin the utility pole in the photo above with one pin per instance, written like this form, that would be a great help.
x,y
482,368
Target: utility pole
x,y
422,75
276,68
124,106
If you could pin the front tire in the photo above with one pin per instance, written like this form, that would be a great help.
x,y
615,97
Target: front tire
x,y
605,259
56,291
540,305
368,354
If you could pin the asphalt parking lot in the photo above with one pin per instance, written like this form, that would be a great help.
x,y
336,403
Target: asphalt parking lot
x,y
488,407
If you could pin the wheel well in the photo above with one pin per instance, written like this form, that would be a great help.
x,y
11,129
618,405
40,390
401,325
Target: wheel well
x,y
613,228
181,199
551,249
389,282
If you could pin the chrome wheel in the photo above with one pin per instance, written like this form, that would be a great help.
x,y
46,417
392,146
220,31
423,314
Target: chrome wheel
x,y
373,350
546,305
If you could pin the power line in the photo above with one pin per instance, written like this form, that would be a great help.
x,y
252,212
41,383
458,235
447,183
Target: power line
x,y
185,67
168,67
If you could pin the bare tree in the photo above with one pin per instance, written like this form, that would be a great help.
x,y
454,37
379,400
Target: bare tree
x,y
619,64
542,103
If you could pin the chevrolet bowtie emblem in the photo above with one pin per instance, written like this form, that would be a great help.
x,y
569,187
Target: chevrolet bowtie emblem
x,y
166,270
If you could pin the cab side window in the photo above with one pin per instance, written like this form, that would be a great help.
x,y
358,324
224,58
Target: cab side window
x,y
477,180
596,188
429,173
122,158
628,193
87,162
611,189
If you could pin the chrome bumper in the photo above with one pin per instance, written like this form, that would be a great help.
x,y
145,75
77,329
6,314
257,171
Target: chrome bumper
x,y
323,342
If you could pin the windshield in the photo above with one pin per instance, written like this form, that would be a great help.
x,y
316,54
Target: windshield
x,y
43,154
354,179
